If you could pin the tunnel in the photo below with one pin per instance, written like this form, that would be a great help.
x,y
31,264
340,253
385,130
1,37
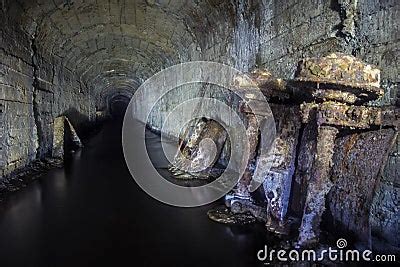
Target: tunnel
x,y
298,99
118,105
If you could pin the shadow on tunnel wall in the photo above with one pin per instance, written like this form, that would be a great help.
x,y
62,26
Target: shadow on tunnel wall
x,y
84,126
117,106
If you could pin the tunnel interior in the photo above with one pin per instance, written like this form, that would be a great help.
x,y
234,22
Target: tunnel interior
x,y
69,68
118,105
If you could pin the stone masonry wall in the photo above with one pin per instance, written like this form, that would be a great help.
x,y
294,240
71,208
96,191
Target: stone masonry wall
x,y
37,85
368,29
19,138
35,88
277,34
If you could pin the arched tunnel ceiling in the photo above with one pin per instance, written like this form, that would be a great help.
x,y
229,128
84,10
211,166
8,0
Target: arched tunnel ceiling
x,y
111,43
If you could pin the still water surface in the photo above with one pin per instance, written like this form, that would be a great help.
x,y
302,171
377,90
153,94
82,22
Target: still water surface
x,y
92,213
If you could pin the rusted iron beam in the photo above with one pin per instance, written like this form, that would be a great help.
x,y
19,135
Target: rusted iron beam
x,y
252,136
338,85
338,77
278,181
360,117
359,158
318,186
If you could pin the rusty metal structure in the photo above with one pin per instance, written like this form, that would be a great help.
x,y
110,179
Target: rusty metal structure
x,y
323,120
340,85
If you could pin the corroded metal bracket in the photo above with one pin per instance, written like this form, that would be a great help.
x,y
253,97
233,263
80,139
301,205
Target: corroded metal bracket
x,y
276,171
339,85
327,98
356,117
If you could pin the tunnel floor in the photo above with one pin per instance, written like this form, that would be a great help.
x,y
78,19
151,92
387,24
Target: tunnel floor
x,y
91,212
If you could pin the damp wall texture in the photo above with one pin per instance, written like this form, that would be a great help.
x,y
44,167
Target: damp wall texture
x,y
68,57
35,88
367,29
277,34
283,32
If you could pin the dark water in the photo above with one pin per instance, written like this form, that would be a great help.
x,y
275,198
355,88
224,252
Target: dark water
x,y
92,213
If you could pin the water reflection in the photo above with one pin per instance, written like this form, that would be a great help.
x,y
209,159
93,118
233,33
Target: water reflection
x,y
91,213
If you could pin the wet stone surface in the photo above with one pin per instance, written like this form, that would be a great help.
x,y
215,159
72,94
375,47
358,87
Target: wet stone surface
x,y
338,72
193,163
92,213
359,159
25,176
224,215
